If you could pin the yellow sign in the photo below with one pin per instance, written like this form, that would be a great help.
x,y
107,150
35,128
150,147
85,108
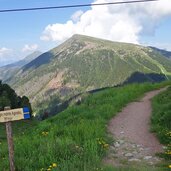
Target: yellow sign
x,y
11,115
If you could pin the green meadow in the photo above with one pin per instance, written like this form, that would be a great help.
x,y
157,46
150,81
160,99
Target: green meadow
x,y
161,120
77,139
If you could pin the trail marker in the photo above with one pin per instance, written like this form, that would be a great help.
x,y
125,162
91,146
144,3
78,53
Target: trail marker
x,y
6,117
14,115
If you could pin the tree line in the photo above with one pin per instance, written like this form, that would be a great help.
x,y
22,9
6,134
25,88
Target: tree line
x,y
8,97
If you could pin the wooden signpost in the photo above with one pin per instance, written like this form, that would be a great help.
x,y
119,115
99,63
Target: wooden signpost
x,y
6,117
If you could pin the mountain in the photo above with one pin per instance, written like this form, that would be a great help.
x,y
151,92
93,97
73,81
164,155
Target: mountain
x,y
27,59
163,52
85,63
8,70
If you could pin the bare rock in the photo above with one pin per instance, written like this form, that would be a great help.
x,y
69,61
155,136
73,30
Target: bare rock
x,y
117,144
121,141
129,155
147,157
134,160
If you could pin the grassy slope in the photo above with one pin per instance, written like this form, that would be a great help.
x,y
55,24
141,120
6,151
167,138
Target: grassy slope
x,y
83,59
161,119
76,139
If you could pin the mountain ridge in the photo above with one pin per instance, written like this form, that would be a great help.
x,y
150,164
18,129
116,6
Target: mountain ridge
x,y
83,63
8,70
162,51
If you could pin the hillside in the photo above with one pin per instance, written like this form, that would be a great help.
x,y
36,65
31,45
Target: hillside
x,y
76,139
163,52
8,70
84,63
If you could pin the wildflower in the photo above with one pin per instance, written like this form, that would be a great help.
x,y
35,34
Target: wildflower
x,y
106,145
169,166
45,133
54,165
168,152
49,169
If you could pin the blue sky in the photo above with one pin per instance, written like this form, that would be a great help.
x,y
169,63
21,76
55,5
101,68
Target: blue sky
x,y
161,36
25,29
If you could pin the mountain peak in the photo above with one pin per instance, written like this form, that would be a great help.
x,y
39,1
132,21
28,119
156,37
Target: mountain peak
x,y
77,36
80,37
84,37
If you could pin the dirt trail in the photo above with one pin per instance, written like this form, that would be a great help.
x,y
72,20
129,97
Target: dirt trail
x,y
131,130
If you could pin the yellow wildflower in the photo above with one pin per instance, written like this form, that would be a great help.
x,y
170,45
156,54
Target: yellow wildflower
x,y
45,133
168,152
170,166
54,165
106,145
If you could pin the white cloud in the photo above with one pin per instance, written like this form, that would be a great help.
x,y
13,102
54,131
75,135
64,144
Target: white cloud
x,y
29,48
76,16
115,22
58,32
4,51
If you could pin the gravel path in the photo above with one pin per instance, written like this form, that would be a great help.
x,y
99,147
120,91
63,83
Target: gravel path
x,y
130,128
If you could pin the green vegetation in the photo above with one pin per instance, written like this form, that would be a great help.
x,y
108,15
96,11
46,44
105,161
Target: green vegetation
x,y
161,120
76,139
84,63
8,97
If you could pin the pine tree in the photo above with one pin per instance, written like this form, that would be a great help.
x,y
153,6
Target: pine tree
x,y
8,97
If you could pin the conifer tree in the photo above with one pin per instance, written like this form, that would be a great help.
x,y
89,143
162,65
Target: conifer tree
x,y
8,97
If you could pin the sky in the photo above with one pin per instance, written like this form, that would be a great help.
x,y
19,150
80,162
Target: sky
x,y
22,33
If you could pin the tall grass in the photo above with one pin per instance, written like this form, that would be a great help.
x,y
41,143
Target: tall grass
x,y
161,120
76,139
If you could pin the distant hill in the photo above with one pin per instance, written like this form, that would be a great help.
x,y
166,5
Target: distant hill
x,y
85,63
8,70
163,52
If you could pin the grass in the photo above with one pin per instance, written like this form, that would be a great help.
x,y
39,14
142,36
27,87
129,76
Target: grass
x,y
161,120
76,139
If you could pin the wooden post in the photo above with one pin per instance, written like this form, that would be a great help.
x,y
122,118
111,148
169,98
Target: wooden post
x,y
10,143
